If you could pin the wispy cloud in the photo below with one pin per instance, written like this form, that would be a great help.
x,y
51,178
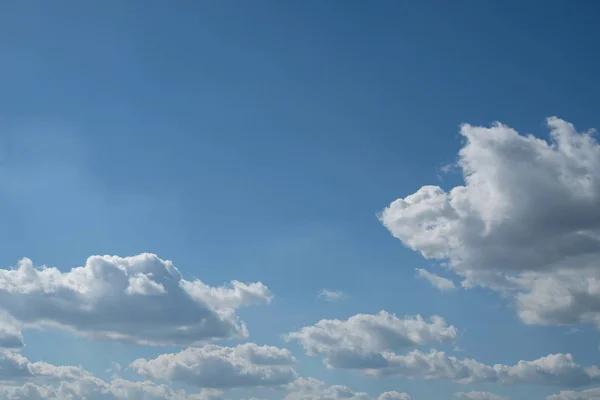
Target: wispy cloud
x,y
331,295
436,280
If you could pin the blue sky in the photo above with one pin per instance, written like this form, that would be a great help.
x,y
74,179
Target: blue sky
x,y
259,141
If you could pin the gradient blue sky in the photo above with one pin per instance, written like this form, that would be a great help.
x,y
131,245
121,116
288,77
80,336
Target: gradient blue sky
x,y
258,140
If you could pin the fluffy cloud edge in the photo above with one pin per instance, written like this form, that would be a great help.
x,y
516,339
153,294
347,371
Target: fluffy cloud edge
x,y
140,299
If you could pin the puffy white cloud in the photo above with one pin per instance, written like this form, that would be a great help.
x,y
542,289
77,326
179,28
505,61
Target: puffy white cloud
x,y
525,221
436,280
554,369
331,295
213,366
359,341
24,379
313,389
369,342
140,299
479,396
590,394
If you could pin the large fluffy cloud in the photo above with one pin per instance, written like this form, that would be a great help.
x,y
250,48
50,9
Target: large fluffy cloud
x,y
313,389
140,299
213,366
359,341
525,220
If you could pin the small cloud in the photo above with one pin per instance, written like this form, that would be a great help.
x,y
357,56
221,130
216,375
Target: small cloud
x,y
436,280
114,370
331,295
446,169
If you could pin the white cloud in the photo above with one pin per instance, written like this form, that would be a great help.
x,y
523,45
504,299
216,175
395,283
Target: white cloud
x,y
91,388
479,396
11,336
561,297
213,366
436,280
590,394
24,379
313,389
143,285
13,366
554,369
370,342
525,221
394,396
359,341
140,299
331,295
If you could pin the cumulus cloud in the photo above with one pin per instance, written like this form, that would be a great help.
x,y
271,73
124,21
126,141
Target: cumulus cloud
x,y
370,343
479,396
314,389
23,379
562,297
359,341
213,366
140,299
590,394
436,280
91,388
331,295
554,369
525,221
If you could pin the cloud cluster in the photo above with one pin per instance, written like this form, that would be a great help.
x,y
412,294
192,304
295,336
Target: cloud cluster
x,y
359,341
371,342
554,369
525,221
590,394
24,379
140,299
91,388
479,396
211,366
21,379
313,389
